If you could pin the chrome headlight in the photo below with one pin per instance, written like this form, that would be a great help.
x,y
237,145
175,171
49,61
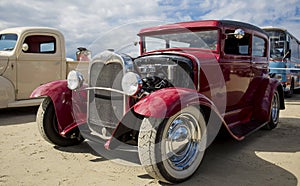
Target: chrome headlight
x,y
75,80
131,83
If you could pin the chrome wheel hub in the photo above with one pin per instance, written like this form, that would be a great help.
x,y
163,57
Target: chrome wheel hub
x,y
182,143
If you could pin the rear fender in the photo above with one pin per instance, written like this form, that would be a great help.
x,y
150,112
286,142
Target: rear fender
x,y
70,106
265,94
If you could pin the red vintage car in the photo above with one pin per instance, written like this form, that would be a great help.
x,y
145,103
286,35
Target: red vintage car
x,y
191,80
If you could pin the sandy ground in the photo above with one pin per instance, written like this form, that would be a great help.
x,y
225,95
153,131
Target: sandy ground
x,y
263,158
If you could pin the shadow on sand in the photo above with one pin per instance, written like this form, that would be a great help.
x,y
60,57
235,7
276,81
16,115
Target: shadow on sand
x,y
15,116
227,162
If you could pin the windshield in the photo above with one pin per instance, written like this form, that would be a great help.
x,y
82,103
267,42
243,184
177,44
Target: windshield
x,y
201,39
278,42
8,42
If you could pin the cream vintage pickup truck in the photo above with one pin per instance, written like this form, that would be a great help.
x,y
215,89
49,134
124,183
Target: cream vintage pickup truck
x,y
30,57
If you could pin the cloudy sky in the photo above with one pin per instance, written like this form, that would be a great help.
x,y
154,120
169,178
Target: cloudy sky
x,y
101,24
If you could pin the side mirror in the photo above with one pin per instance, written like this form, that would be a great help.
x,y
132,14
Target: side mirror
x,y
25,47
239,33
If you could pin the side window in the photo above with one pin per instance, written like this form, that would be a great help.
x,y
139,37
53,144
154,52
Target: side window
x,y
236,46
294,48
47,47
40,44
258,47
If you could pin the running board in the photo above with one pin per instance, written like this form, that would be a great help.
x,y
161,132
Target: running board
x,y
245,129
25,103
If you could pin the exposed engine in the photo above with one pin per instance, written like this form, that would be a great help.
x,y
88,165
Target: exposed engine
x,y
153,83
159,72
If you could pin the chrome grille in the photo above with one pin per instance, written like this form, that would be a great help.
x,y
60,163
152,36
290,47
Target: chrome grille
x,y
105,107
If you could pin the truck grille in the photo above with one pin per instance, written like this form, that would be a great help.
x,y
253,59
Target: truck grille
x,y
105,107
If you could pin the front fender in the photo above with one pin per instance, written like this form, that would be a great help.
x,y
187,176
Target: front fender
x,y
70,106
53,89
163,104
166,102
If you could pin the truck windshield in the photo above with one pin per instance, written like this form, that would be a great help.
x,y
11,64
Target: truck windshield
x,y
8,42
207,40
278,43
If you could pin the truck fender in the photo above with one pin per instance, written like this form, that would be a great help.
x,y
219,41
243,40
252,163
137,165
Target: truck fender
x,y
7,92
70,106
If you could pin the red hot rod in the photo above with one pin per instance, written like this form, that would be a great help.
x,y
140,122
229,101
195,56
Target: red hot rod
x,y
191,80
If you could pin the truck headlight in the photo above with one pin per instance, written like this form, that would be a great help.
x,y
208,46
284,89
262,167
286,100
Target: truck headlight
x,y
131,83
279,77
75,80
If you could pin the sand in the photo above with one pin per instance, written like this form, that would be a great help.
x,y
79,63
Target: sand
x,y
263,158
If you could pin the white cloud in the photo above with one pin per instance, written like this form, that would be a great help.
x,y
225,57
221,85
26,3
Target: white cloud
x,y
255,11
88,22
81,22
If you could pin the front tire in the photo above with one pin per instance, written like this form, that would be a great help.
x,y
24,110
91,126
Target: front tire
x,y
274,112
48,126
172,149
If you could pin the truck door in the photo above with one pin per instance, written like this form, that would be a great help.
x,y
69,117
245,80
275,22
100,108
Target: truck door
x,y
38,63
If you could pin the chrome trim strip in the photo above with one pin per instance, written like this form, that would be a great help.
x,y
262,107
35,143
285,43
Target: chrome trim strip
x,y
284,68
107,89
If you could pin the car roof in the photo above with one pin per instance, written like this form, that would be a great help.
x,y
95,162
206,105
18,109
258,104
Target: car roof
x,y
200,23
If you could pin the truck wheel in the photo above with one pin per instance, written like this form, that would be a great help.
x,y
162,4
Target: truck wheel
x,y
172,149
48,126
274,112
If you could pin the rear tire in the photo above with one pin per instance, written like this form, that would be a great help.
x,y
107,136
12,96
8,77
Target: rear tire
x,y
274,112
172,149
48,126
